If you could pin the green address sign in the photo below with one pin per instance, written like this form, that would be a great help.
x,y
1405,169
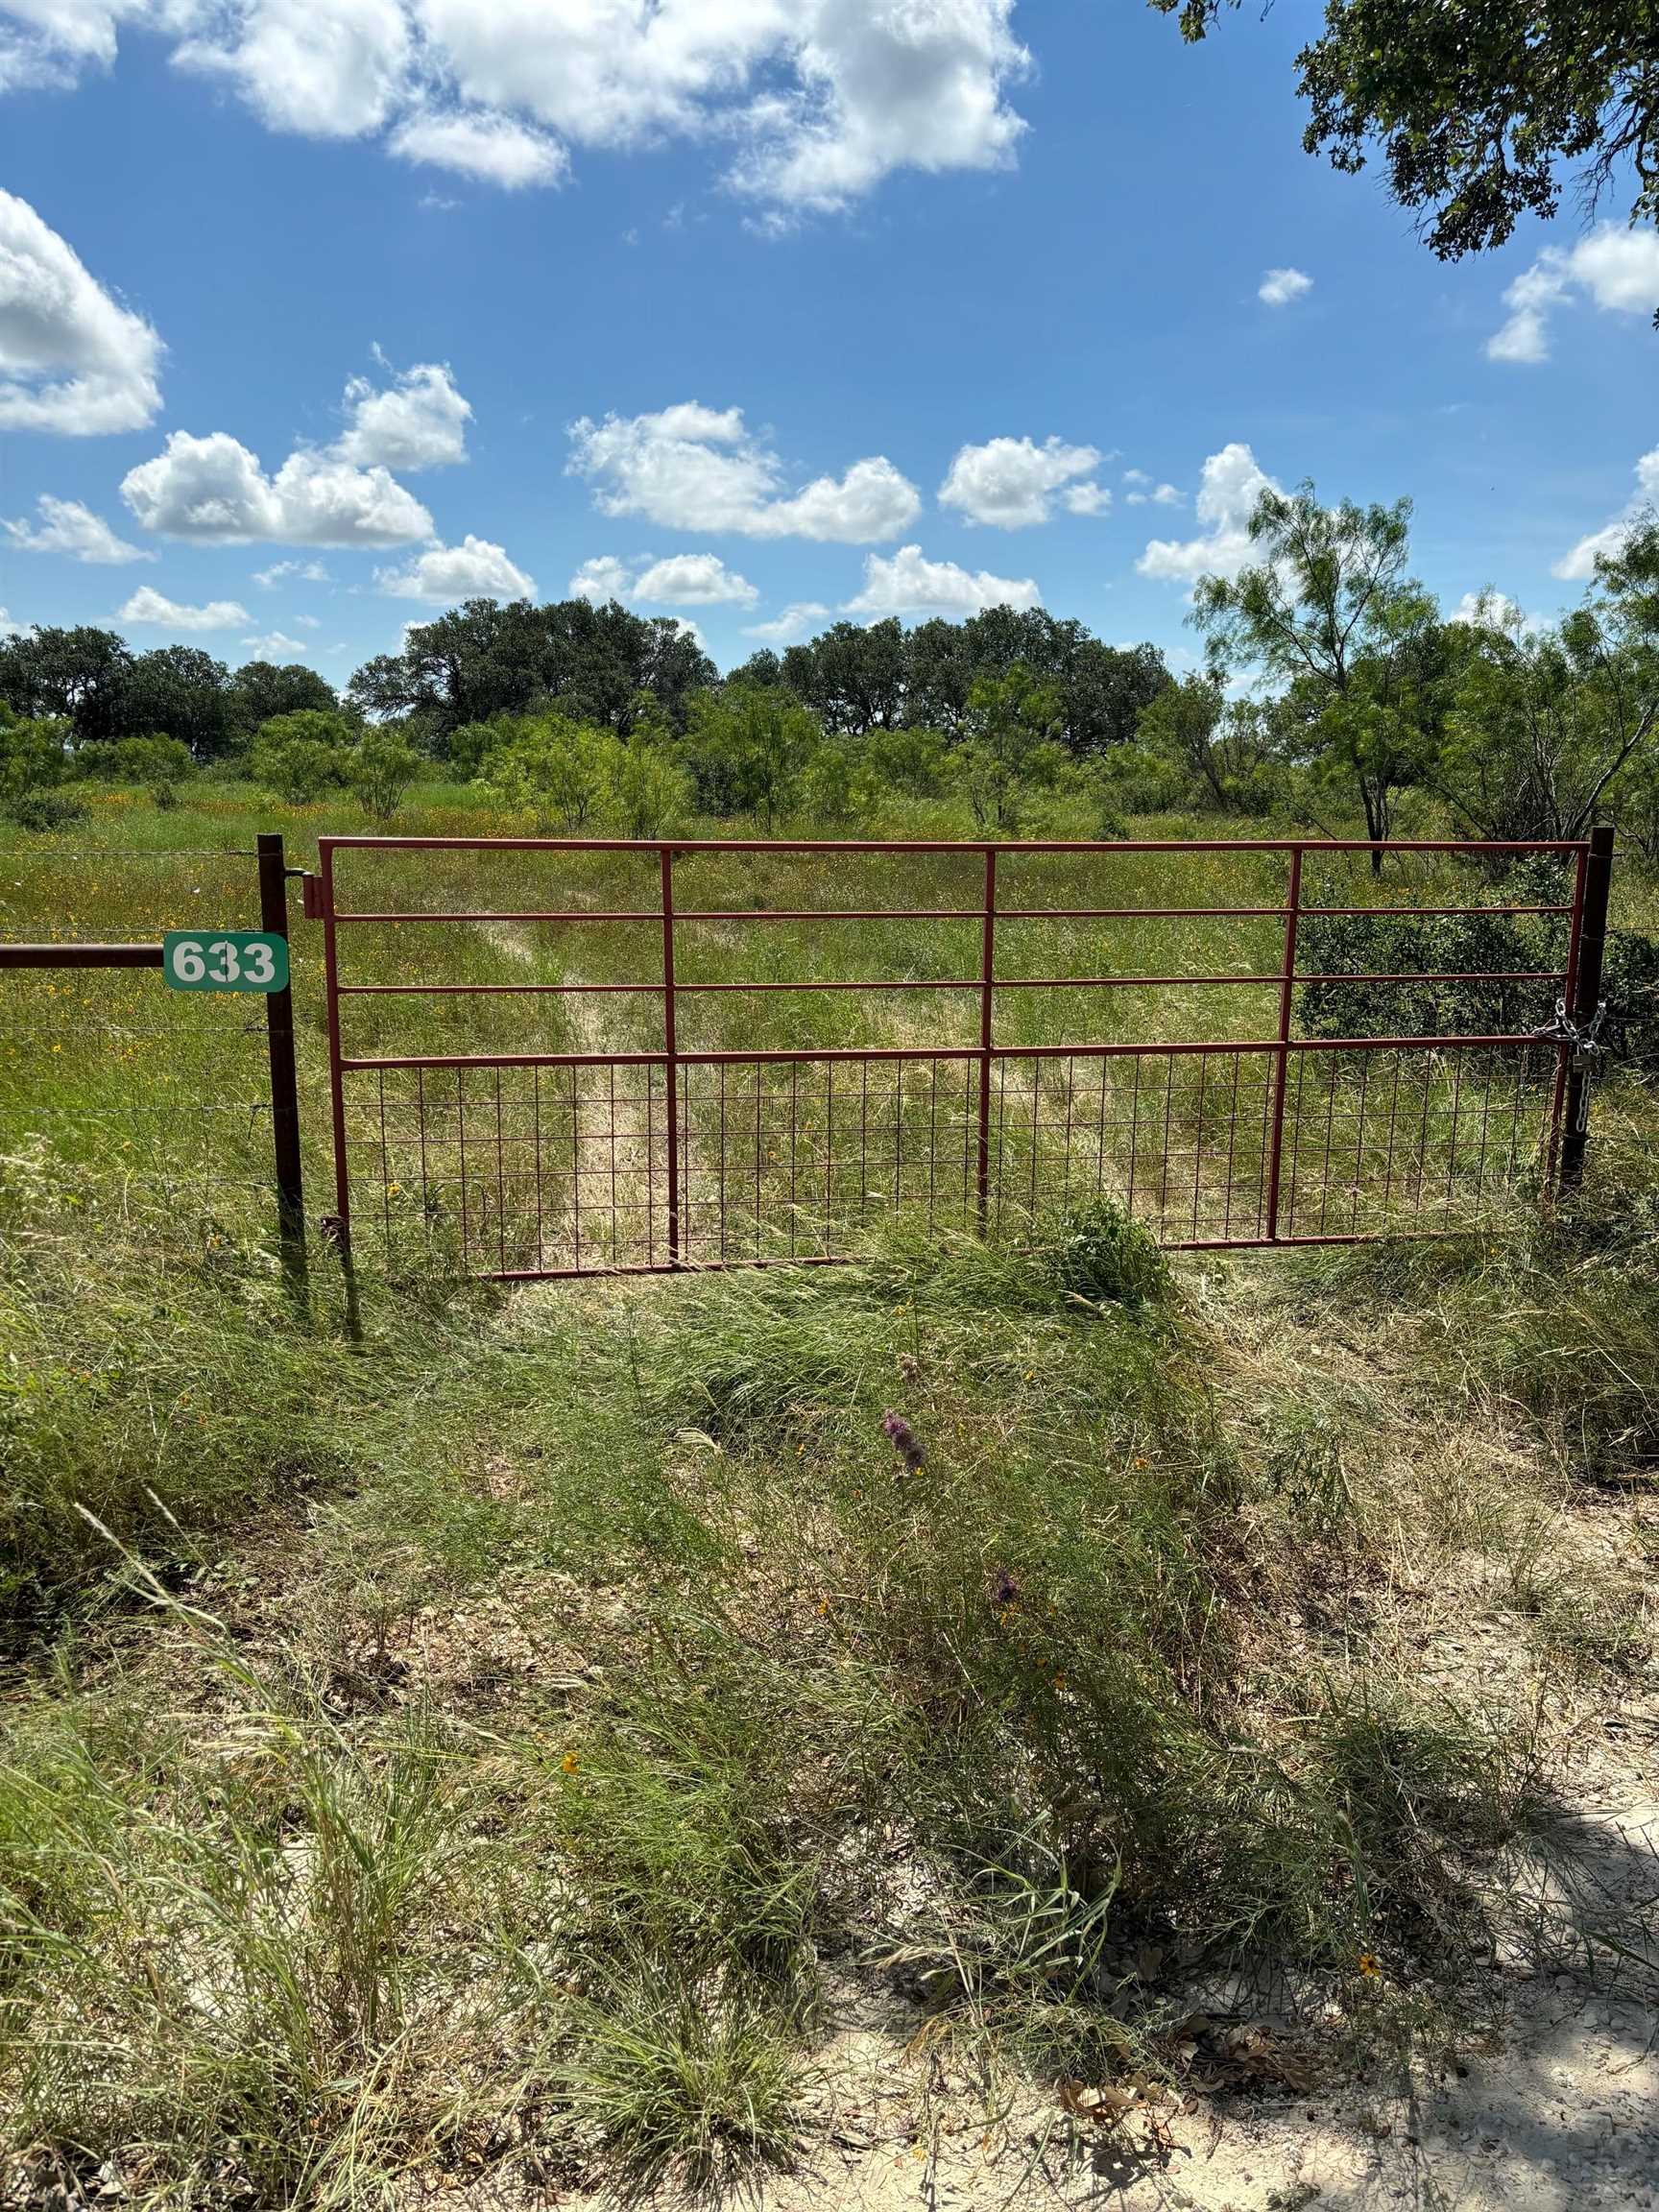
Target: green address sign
x,y
225,960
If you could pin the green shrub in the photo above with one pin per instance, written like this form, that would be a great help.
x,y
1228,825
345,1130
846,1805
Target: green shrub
x,y
46,811
837,789
914,761
556,770
1630,986
1101,1255
300,755
748,748
381,768
651,791
469,746
34,763
160,764
1407,943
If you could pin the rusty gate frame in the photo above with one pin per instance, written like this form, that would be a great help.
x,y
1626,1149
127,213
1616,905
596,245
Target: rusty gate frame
x,y
1578,982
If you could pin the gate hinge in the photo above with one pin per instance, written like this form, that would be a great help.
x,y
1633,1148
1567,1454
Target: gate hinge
x,y
1583,1043
310,894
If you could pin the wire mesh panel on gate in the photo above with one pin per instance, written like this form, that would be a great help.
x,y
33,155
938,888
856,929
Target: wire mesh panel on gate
x,y
644,1057
513,1170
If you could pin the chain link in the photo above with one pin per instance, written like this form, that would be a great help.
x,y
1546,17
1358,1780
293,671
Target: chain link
x,y
1584,1042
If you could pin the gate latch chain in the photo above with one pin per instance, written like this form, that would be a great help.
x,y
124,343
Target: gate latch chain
x,y
1584,1044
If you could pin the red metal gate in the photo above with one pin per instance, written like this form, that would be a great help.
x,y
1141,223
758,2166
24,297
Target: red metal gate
x,y
547,1116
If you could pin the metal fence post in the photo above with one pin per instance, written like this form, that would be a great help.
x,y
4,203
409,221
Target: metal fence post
x,y
670,1046
987,1019
338,1226
284,1080
1282,1061
1586,998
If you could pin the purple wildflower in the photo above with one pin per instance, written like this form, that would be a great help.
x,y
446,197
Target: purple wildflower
x,y
902,1438
1004,1590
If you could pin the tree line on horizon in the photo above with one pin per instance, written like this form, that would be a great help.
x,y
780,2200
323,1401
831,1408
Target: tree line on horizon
x,y
484,659
1332,690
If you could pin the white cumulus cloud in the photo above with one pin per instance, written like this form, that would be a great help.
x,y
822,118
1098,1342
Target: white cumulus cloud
x,y
444,575
486,146
815,101
909,583
600,580
1228,489
696,468
151,607
794,624
1578,565
325,68
275,645
1279,287
418,421
682,579
68,526
1011,482
1614,268
872,501
213,491
303,571
73,361
693,580
884,85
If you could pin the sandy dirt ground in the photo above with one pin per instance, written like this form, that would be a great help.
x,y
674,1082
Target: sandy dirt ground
x,y
1556,2110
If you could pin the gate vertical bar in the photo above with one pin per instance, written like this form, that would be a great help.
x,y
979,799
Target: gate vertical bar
x,y
341,1224
284,1080
1586,998
987,999
1563,1058
1281,1067
671,1046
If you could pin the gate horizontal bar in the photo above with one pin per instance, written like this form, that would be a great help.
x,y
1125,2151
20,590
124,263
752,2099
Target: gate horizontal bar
x,y
761,1267
489,990
1342,1237
980,845
538,914
801,1053
598,1273
939,983
1131,913
1411,913
830,913
925,913
80,955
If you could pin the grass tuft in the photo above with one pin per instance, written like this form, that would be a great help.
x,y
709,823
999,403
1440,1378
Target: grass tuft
x,y
694,2086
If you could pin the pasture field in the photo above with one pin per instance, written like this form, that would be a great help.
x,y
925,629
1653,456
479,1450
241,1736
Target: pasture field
x,y
938,1730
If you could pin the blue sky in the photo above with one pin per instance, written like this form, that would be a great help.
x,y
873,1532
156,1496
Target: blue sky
x,y
323,292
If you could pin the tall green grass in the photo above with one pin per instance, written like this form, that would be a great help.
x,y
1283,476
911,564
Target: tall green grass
x,y
494,1740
